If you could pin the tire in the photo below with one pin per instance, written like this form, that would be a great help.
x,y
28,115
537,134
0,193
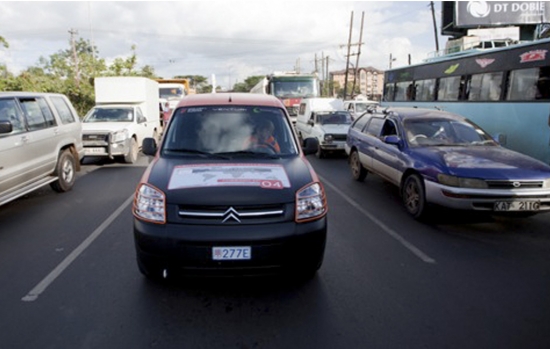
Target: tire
x,y
132,155
358,172
414,197
65,170
320,153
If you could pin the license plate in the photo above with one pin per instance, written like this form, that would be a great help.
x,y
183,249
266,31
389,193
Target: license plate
x,y
231,253
91,151
517,206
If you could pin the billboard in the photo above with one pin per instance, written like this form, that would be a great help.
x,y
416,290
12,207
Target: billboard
x,y
497,13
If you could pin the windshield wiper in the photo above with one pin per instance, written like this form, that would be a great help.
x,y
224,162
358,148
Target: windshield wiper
x,y
195,152
485,142
250,153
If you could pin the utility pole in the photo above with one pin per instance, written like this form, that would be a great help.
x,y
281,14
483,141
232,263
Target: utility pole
x,y
75,58
347,57
358,53
356,66
435,27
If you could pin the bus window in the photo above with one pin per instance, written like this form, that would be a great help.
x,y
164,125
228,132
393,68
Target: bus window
x,y
529,84
449,88
485,87
401,89
389,92
425,90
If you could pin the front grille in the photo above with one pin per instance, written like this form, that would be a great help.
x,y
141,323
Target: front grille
x,y
515,184
96,138
254,214
339,137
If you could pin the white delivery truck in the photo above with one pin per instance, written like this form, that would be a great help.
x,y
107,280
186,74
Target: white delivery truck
x,y
326,120
126,112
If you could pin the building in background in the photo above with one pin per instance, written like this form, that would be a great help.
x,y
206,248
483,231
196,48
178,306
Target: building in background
x,y
369,82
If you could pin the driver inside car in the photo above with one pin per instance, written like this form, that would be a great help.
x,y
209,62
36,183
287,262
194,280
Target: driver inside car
x,y
263,138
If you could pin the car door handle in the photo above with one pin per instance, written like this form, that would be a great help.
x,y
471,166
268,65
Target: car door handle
x,y
24,139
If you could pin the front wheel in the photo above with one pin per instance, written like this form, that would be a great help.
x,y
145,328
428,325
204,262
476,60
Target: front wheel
x,y
65,170
132,155
414,197
358,172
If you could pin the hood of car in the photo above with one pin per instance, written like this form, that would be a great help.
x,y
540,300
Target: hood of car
x,y
484,162
104,126
221,182
335,129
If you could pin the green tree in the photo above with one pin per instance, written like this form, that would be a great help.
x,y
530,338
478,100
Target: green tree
x,y
247,84
196,82
4,42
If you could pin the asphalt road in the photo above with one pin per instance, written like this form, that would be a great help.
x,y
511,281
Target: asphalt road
x,y
69,279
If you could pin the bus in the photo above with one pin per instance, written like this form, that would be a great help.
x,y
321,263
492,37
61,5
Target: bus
x,y
504,90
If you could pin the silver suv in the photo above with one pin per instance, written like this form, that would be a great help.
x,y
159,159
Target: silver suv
x,y
40,143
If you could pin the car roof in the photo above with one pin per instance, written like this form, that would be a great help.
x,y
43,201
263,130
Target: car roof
x,y
26,94
239,98
404,113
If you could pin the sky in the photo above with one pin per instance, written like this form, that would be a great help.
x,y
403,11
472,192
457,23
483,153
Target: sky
x,y
230,40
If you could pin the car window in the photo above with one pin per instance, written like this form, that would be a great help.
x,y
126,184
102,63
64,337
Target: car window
x,y
389,129
334,118
360,122
37,112
437,132
109,115
63,110
10,112
375,126
224,129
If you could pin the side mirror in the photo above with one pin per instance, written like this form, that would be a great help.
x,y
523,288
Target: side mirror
x,y
5,127
311,145
393,140
149,146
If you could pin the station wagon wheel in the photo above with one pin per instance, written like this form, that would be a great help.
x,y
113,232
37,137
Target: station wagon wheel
x,y
65,170
132,155
414,197
358,172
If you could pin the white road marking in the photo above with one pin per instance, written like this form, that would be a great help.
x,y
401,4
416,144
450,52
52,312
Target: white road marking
x,y
415,250
50,278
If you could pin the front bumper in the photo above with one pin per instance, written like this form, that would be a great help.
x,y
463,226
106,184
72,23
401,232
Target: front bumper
x,y
187,249
482,199
102,147
335,146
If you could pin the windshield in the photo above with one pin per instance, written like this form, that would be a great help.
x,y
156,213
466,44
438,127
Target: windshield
x,y
289,89
229,131
171,92
334,118
436,132
110,115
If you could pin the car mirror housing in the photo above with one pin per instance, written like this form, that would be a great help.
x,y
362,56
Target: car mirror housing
x,y
5,127
311,145
149,146
395,140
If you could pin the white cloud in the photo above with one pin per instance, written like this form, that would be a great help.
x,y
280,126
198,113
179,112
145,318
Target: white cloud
x,y
232,39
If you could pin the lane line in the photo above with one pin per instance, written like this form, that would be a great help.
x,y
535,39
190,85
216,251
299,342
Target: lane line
x,y
415,250
50,278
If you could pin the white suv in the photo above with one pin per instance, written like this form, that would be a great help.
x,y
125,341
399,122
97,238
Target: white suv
x,y
40,143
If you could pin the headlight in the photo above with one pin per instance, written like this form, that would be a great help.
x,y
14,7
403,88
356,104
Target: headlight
x,y
119,136
150,204
310,202
328,138
461,182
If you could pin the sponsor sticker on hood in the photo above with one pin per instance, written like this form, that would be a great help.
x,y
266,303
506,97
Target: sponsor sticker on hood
x,y
219,175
